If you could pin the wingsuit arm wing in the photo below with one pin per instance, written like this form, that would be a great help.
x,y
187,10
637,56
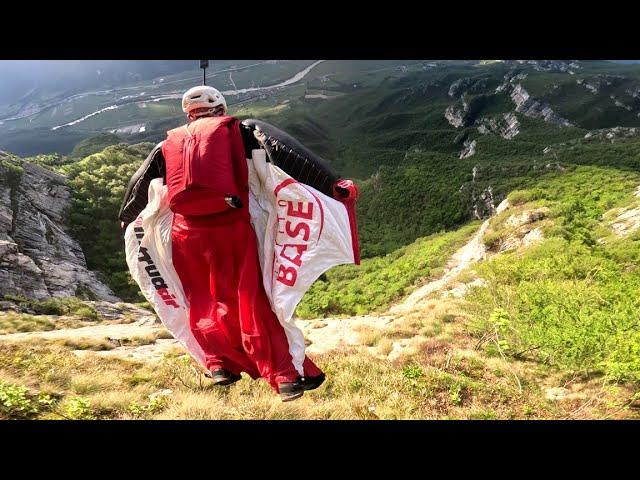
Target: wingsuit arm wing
x,y
292,157
135,198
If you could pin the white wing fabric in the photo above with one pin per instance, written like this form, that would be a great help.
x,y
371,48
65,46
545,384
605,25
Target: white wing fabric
x,y
148,250
301,234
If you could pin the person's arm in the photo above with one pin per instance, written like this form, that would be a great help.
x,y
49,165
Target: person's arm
x,y
135,198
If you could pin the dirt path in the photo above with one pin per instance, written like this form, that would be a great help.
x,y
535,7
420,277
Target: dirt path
x,y
115,334
96,332
332,333
472,252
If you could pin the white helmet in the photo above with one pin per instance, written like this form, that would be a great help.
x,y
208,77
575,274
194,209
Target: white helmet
x,y
202,96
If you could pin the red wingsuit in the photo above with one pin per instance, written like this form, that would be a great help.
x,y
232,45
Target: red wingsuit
x,y
215,253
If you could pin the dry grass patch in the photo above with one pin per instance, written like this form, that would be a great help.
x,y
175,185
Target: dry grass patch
x,y
87,343
369,336
438,381
385,346
164,334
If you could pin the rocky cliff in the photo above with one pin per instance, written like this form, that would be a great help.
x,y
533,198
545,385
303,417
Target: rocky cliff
x,y
531,107
38,257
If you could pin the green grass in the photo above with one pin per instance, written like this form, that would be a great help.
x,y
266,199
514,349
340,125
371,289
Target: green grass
x,y
571,301
57,306
47,381
99,182
388,133
377,282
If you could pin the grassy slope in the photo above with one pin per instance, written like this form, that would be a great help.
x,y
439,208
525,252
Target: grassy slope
x,y
393,137
571,301
377,282
563,314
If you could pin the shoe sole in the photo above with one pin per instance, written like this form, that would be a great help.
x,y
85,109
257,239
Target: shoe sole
x,y
291,396
224,383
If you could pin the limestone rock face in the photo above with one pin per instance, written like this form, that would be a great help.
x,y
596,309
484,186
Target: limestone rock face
x,y
612,134
507,126
531,107
469,149
38,257
566,66
456,117
483,204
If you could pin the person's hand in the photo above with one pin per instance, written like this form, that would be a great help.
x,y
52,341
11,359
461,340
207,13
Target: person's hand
x,y
121,224
345,190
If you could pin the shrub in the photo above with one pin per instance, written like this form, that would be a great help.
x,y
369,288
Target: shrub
x,y
570,302
77,408
16,402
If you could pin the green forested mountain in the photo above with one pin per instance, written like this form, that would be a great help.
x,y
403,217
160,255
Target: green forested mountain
x,y
401,132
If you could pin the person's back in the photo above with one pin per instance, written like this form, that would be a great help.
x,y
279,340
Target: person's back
x,y
206,166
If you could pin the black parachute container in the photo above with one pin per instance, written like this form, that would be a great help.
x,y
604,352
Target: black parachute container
x,y
290,155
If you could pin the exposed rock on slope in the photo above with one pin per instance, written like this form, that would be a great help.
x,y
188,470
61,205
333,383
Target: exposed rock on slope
x,y
531,107
507,127
456,117
510,80
612,134
38,258
596,83
565,66
483,204
469,149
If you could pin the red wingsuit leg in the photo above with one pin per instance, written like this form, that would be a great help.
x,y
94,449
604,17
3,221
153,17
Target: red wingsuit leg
x,y
230,314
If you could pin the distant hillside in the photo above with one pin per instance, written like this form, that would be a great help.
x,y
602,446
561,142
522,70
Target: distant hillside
x,y
432,145
438,147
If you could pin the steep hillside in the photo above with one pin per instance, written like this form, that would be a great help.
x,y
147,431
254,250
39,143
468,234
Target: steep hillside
x,y
436,148
433,145
38,256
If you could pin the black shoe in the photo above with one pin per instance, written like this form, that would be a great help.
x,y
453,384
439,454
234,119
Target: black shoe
x,y
311,383
290,390
223,377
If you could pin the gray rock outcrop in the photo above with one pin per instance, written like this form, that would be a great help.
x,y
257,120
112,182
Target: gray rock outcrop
x,y
565,66
469,149
531,107
508,126
38,258
611,134
456,117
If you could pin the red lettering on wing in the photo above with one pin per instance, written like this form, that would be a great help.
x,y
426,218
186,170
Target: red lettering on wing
x,y
300,212
296,230
287,275
297,260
